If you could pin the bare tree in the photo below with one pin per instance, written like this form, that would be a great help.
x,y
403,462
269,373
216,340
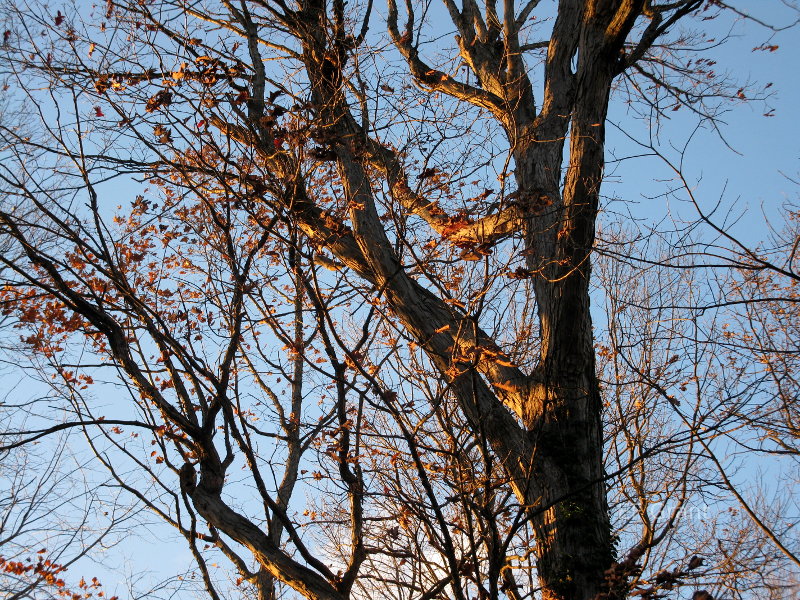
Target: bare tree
x,y
47,510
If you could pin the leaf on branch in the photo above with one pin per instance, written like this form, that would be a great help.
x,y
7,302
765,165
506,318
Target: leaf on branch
x,y
161,99
695,562
163,134
470,255
475,252
520,273
427,173
180,73
456,224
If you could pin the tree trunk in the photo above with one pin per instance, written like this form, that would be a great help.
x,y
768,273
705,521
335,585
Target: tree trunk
x,y
574,541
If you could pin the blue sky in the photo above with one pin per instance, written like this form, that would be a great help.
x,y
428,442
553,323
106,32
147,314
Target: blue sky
x,y
750,173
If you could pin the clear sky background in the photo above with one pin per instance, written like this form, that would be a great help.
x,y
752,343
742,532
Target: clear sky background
x,y
749,174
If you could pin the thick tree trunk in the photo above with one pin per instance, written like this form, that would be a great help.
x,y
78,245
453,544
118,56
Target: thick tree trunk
x,y
574,541
564,421
554,463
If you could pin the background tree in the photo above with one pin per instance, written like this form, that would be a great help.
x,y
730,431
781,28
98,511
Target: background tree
x,y
361,271
48,502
